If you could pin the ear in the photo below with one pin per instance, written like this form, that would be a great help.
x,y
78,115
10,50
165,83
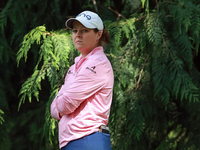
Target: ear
x,y
99,34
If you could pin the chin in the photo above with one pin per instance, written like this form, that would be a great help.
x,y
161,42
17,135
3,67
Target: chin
x,y
80,48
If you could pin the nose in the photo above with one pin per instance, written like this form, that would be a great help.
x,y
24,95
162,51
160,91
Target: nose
x,y
78,34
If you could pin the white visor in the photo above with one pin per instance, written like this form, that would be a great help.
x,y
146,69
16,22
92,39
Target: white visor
x,y
87,18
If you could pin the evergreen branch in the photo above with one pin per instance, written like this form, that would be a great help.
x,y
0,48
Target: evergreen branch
x,y
4,14
63,77
31,86
95,5
180,135
53,52
153,129
154,29
172,3
50,123
1,118
123,57
45,68
116,12
133,20
138,82
29,39
165,45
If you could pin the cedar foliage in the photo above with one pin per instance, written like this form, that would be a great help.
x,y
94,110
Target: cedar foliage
x,y
154,51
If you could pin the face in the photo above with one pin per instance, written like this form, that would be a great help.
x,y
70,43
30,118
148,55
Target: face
x,y
84,39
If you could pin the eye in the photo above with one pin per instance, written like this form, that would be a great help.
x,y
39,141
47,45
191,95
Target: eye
x,y
85,30
74,31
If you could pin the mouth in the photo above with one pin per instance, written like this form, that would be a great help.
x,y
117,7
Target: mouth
x,y
78,42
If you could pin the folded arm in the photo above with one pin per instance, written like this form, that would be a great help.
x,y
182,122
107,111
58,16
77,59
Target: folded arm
x,y
86,84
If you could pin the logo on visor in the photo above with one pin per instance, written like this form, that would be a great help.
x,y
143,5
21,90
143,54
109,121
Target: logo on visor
x,y
84,15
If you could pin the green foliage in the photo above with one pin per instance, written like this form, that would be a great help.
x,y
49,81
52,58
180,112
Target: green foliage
x,y
52,59
4,14
153,52
161,48
52,63
3,104
1,118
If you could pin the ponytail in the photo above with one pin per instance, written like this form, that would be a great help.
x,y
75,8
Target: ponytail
x,y
105,37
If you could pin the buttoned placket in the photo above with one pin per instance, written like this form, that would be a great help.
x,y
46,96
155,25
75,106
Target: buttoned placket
x,y
78,65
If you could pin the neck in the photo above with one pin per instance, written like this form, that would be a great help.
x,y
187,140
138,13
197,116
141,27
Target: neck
x,y
85,53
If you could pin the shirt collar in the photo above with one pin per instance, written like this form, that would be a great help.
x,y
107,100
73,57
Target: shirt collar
x,y
96,50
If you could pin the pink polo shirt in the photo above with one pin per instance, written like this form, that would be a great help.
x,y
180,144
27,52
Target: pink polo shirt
x,y
83,103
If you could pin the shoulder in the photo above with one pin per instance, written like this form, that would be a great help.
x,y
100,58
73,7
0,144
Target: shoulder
x,y
99,64
99,59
